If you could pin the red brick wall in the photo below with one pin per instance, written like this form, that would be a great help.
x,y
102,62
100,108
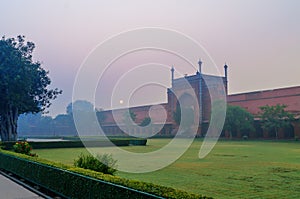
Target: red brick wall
x,y
253,100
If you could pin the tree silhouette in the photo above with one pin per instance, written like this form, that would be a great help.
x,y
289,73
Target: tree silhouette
x,y
23,85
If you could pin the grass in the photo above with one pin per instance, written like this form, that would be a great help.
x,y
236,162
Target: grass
x,y
234,169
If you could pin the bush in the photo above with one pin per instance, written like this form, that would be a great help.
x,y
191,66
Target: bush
x,y
24,148
245,137
78,143
102,163
138,142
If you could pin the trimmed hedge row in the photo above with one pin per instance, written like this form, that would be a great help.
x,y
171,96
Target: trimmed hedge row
x,y
72,182
78,143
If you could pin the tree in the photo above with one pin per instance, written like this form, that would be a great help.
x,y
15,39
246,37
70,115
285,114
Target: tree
x,y
79,105
146,121
34,124
238,120
23,85
64,125
275,117
128,117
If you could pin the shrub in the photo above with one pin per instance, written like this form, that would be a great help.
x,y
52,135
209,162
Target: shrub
x,y
102,163
79,144
24,148
245,137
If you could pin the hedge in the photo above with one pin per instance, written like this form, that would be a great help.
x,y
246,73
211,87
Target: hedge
x,y
78,143
72,182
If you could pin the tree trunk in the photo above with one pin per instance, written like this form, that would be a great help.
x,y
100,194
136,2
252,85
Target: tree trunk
x,y
8,124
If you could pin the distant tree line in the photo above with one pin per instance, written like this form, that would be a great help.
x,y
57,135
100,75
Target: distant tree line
x,y
238,123
61,125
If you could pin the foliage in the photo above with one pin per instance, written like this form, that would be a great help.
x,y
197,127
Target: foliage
x,y
35,124
63,124
238,120
24,148
79,105
102,163
75,182
100,115
245,137
146,121
23,85
275,117
78,143
129,118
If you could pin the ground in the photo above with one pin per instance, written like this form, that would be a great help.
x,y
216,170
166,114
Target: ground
x,y
234,169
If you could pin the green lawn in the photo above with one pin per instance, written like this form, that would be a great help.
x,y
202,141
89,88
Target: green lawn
x,y
234,169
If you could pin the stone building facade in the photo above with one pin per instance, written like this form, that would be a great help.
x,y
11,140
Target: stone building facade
x,y
195,91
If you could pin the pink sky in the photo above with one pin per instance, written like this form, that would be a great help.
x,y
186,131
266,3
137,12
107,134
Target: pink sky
x,y
258,39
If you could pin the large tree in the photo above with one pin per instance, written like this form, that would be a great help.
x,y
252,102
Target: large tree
x,y
275,117
79,105
238,120
23,85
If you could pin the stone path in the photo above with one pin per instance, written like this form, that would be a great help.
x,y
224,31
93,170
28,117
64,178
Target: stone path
x,y
12,190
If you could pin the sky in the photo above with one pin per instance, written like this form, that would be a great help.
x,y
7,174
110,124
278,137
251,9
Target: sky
x,y
258,39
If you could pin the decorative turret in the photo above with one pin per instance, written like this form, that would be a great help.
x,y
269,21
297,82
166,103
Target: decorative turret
x,y
226,77
225,68
200,65
172,75
200,94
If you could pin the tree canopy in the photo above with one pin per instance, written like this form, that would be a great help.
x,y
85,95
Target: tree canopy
x,y
146,121
128,119
238,120
79,105
23,84
275,117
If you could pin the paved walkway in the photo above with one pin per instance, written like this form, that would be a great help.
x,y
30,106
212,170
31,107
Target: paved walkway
x,y
12,190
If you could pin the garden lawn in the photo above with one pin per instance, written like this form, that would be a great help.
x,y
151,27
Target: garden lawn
x,y
234,169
